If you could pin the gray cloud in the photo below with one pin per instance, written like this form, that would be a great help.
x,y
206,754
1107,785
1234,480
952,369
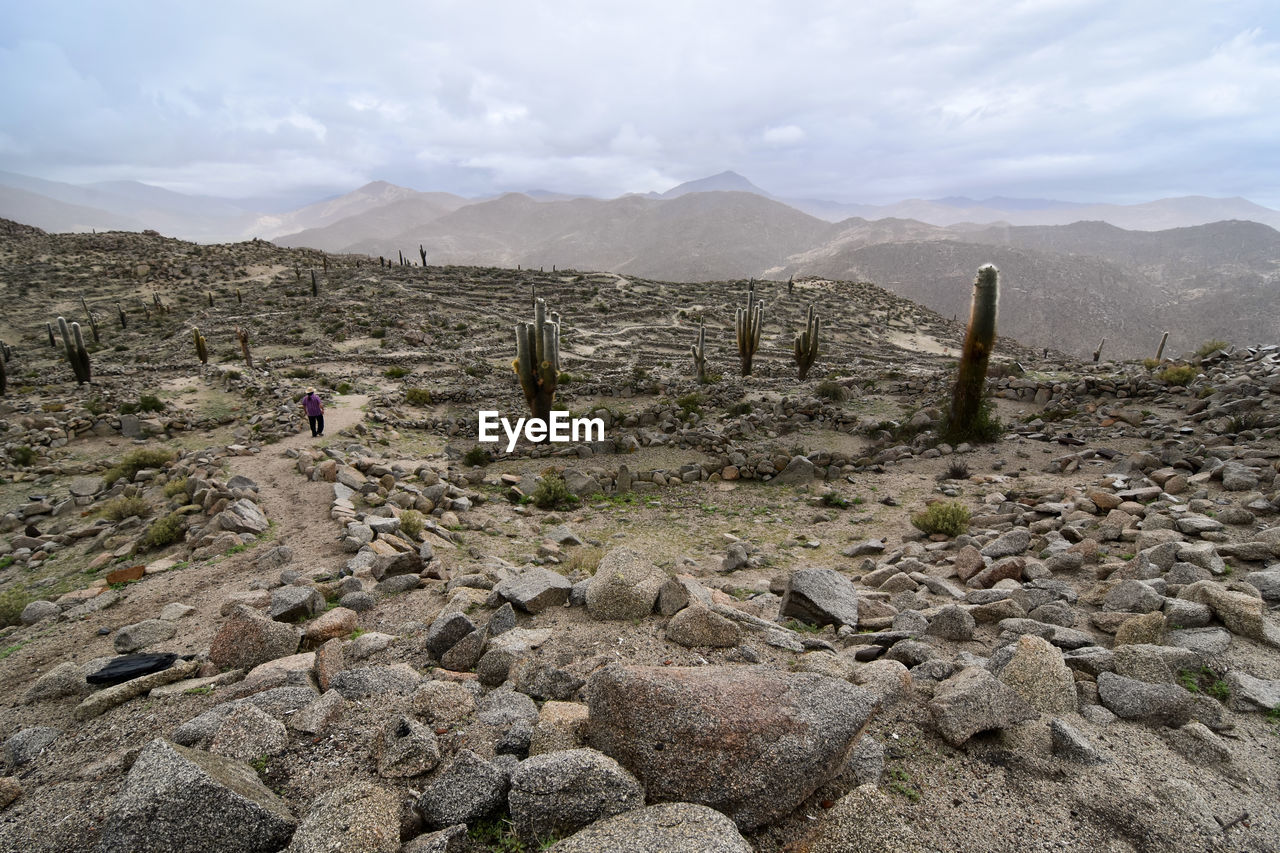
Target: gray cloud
x,y
1079,99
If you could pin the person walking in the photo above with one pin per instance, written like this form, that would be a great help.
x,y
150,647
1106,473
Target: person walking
x,y
314,407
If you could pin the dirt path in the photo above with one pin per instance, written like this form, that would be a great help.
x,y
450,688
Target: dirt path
x,y
300,507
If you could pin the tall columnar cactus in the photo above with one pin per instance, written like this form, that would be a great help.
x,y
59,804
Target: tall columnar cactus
x,y
700,353
4,378
239,298
423,252
537,361
325,260
243,336
1097,354
202,350
93,322
124,319
49,328
210,295
82,366
1160,349
967,398
747,322
315,284
77,355
807,343
401,252
791,284
155,298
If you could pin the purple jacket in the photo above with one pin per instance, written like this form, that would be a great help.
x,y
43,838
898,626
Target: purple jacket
x,y
312,405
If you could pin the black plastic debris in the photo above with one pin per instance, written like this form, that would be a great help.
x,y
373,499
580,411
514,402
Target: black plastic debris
x,y
129,667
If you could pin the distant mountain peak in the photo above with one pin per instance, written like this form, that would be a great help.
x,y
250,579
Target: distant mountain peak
x,y
726,181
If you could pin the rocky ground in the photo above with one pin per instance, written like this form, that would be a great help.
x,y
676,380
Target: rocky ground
x,y
716,629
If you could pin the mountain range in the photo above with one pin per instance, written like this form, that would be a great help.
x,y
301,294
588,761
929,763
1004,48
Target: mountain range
x,y
1073,274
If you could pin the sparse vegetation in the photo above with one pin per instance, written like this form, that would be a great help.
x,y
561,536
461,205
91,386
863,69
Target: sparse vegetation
x,y
417,396
137,460
583,558
396,372
411,522
552,493
120,508
12,600
1210,347
162,532
1178,375
950,518
829,389
477,456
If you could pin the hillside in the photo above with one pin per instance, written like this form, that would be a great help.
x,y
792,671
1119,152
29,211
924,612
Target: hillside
x,y
756,614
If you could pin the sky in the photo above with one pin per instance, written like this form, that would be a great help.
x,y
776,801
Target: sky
x,y
870,101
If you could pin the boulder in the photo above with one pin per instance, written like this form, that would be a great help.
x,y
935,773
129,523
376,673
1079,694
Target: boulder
x,y
359,817
625,586
248,639
468,789
698,626
820,597
243,516
1241,613
140,635
180,800
799,472
536,589
294,603
1157,704
664,828
558,793
1038,674
749,741
973,701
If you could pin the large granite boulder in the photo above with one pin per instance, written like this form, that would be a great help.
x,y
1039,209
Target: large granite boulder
x,y
748,741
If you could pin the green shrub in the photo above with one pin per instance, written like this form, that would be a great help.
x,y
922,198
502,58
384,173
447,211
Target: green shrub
x,y
12,601
1180,375
477,456
396,372
986,427
690,404
134,461
740,409
146,403
553,493
120,508
829,389
162,532
1210,347
950,518
23,455
411,522
299,373
417,396
173,488
1150,363
343,388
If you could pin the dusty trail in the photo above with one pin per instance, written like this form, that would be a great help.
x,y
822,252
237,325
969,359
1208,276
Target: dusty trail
x,y
300,507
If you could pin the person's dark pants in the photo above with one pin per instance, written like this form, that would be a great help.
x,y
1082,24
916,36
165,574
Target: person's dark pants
x,y
317,424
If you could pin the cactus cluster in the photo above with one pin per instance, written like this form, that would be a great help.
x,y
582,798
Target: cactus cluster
x,y
748,322
963,420
202,351
537,361
807,343
77,354
700,354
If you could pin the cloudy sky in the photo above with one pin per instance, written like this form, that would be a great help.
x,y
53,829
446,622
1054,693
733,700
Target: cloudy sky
x,y
868,101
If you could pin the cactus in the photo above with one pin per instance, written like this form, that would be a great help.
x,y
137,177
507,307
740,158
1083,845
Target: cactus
x,y
77,355
210,295
202,351
423,252
155,298
791,284
1097,354
243,335
537,361
401,257
93,323
700,353
239,298
6,351
747,322
807,343
4,378
968,418
325,260
1160,349
49,328
124,320
315,285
